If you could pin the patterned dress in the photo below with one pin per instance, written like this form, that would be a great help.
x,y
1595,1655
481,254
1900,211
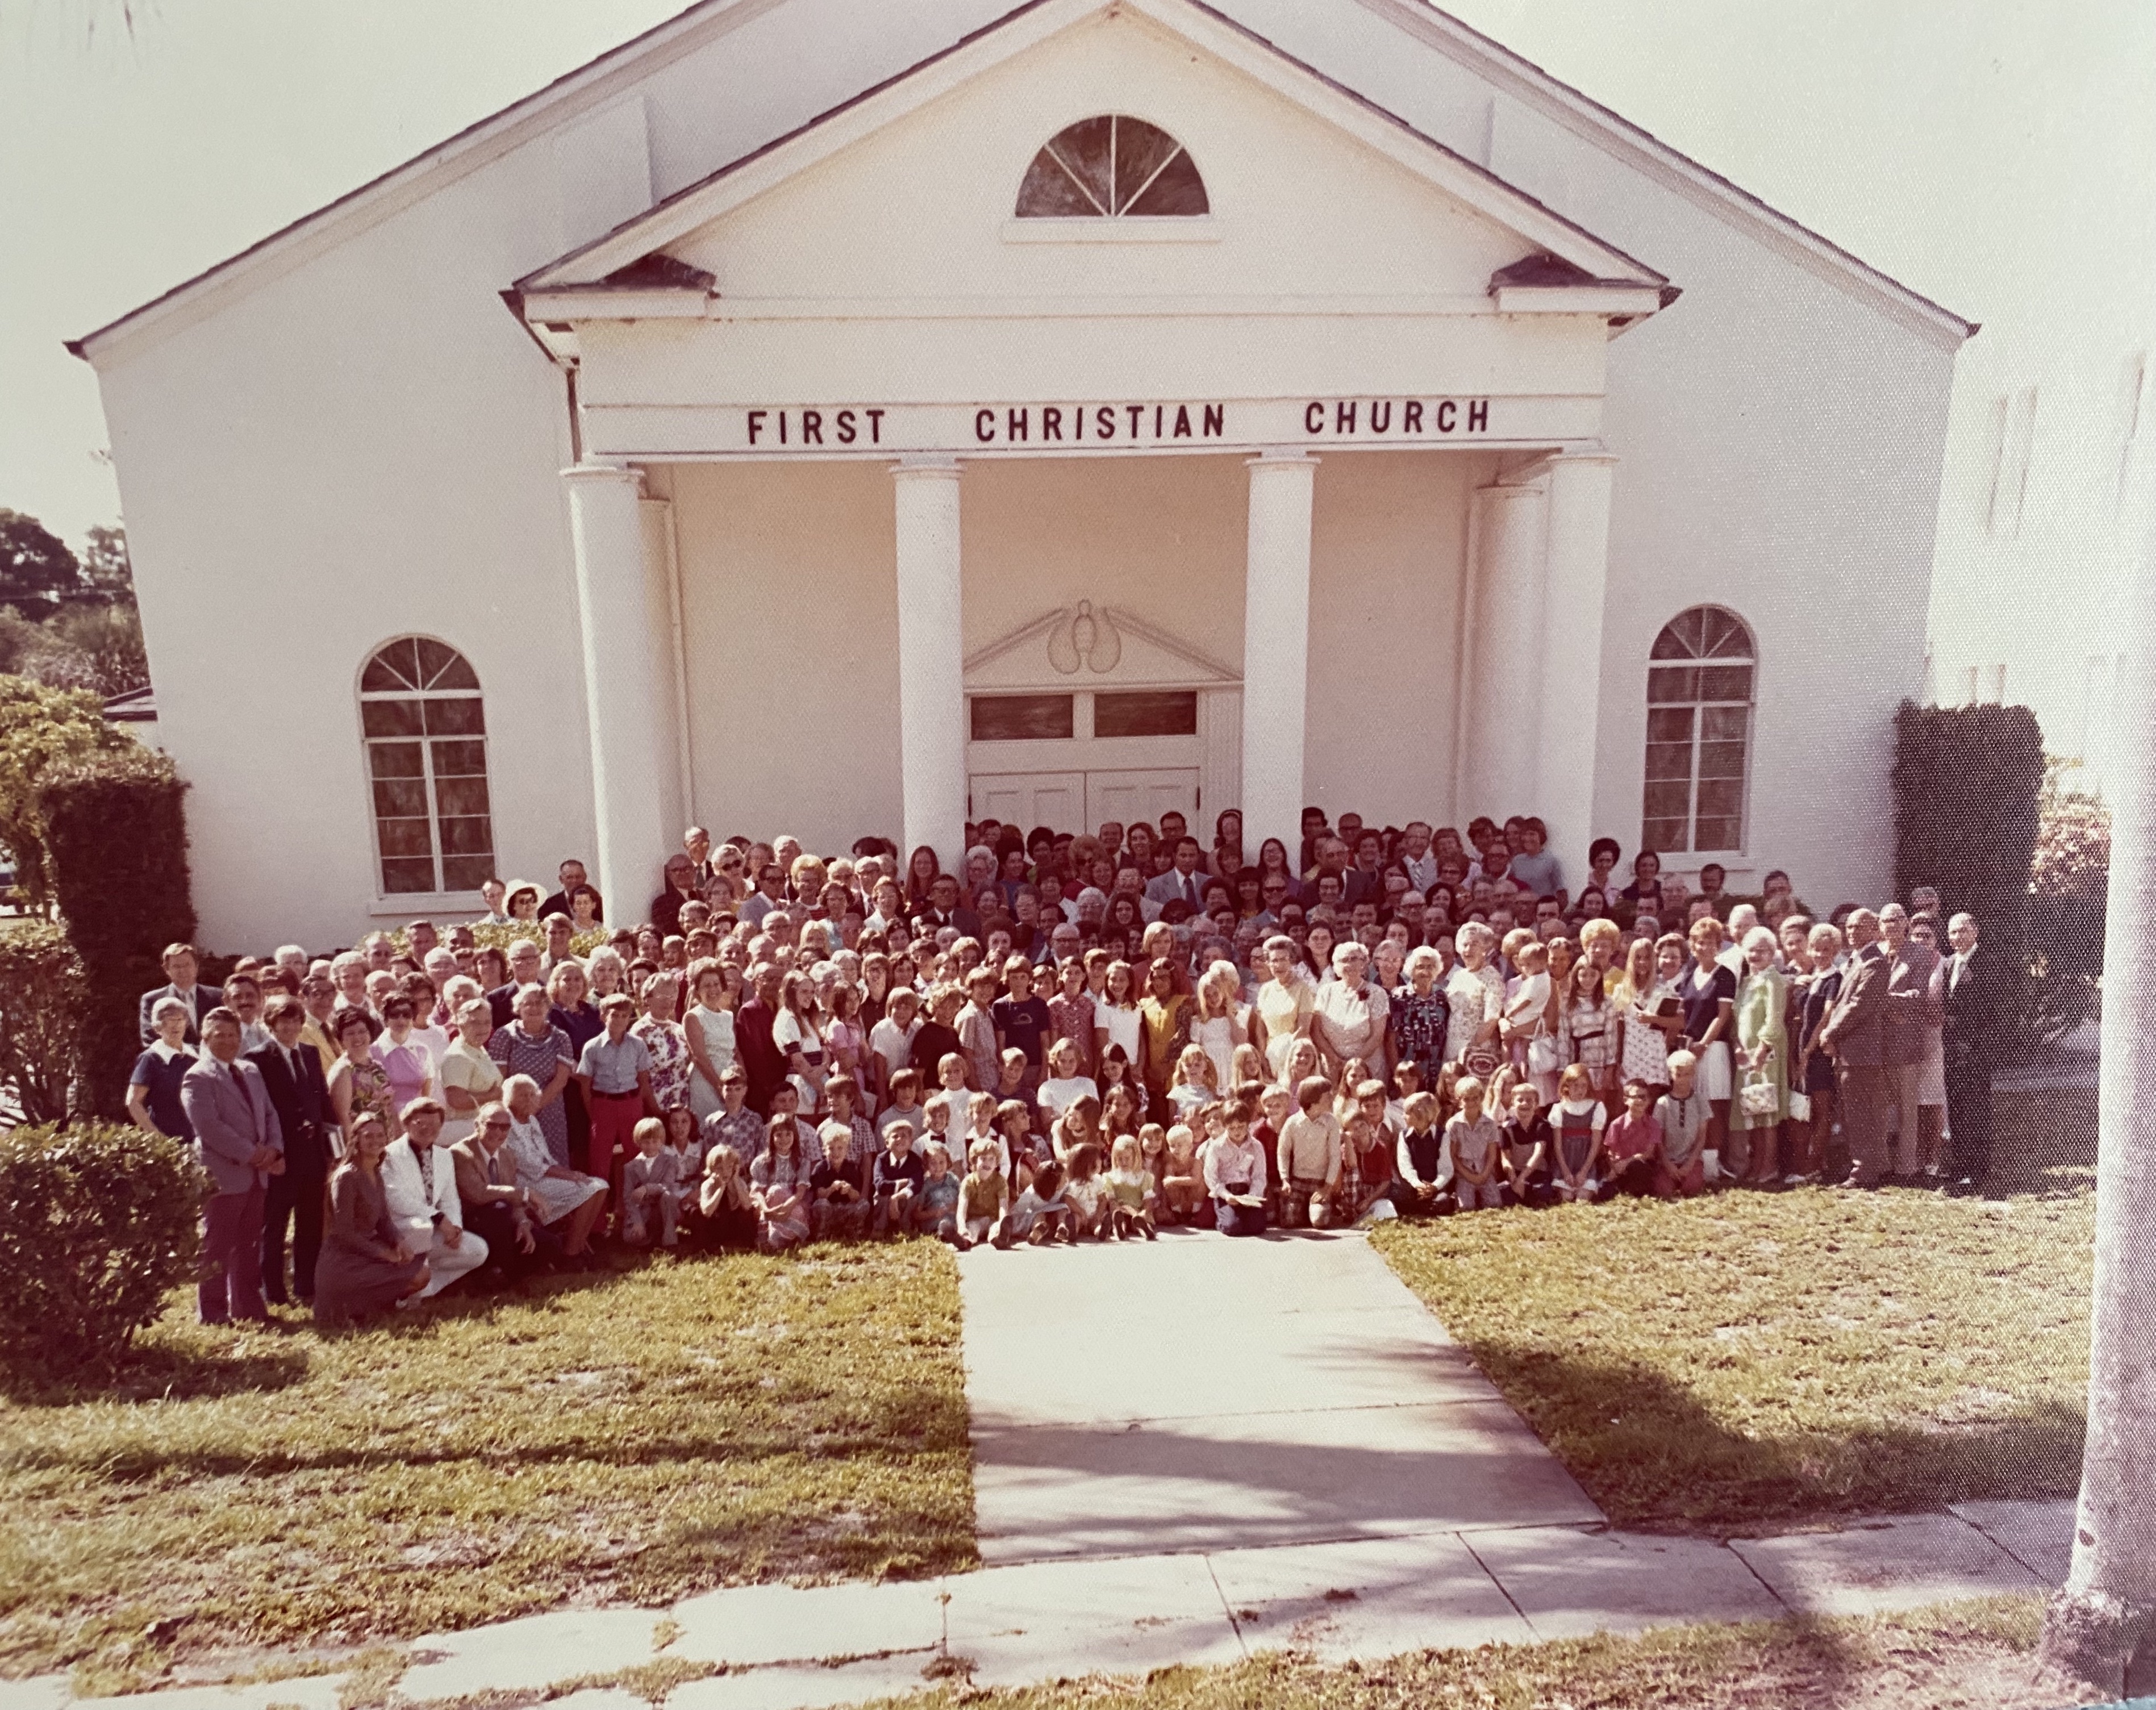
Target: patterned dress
x,y
1475,998
671,1065
370,1089
1422,1026
521,1053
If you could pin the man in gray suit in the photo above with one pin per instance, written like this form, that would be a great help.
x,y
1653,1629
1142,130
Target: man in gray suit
x,y
1914,1009
1854,1035
181,963
239,1142
1183,881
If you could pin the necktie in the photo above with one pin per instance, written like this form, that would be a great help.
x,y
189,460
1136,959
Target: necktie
x,y
240,1081
426,1156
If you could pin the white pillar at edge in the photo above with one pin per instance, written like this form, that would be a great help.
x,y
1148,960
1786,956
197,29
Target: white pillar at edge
x,y
1501,775
1275,649
932,658
632,746
1575,588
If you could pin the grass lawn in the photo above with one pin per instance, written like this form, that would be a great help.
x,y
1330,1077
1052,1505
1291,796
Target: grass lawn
x,y
633,1439
1749,1358
1967,1654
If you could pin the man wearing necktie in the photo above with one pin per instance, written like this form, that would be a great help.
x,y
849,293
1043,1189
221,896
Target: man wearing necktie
x,y
1181,883
292,1076
240,1142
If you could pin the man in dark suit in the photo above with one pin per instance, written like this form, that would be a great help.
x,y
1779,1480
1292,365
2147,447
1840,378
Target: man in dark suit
x,y
1854,1035
180,965
239,1142
292,1075
680,888
572,873
944,910
1973,1025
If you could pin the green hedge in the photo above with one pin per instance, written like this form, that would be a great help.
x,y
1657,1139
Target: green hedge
x,y
97,1223
1967,782
115,832
42,729
43,997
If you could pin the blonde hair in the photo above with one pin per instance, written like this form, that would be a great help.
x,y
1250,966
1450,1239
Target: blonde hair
x,y
1195,1056
1124,1152
1599,930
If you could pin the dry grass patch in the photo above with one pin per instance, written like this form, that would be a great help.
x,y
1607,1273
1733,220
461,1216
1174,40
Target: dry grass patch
x,y
669,1429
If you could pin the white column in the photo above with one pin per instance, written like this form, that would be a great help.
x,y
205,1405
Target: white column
x,y
932,658
1499,775
1575,584
632,765
1275,649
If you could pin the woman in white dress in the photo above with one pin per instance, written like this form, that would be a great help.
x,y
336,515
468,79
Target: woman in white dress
x,y
708,1028
1286,1002
1116,1020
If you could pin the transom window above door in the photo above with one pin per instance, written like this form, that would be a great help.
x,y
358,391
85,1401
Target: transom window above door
x,y
1111,167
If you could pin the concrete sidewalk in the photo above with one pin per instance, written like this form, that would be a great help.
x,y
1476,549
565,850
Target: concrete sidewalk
x,y
1365,1598
1198,1393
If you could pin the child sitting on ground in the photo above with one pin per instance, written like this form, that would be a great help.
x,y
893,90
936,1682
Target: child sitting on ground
x,y
1471,1137
651,1190
1130,1214
840,1184
1152,1157
1632,1147
1040,1214
983,1197
935,1200
905,1102
1576,1123
1087,1195
1183,1189
897,1180
1013,1121
1416,1190
1527,1143
1195,1083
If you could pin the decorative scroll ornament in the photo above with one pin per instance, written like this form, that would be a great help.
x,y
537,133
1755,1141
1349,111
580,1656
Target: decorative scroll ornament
x,y
1085,638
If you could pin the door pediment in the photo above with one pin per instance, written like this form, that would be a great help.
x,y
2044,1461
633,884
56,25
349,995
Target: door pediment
x,y
1084,646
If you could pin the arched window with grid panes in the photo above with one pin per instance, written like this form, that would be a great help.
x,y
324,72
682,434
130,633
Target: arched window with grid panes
x,y
1700,681
424,726
1112,166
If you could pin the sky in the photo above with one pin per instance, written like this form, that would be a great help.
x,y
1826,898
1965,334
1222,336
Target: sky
x,y
1996,155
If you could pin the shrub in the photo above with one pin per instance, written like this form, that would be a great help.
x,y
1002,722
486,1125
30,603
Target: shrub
x,y
97,1222
40,730
116,829
2068,886
42,999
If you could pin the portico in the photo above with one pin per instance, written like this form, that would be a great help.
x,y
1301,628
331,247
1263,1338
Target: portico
x,y
1361,380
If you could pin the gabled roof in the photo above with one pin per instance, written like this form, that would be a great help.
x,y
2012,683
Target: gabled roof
x,y
620,69
1194,20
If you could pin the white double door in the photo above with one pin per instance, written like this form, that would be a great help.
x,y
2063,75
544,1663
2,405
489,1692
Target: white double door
x,y
1084,801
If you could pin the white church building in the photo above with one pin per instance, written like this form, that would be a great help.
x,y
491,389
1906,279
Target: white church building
x,y
849,417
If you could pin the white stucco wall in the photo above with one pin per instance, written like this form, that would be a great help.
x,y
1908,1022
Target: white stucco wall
x,y
354,440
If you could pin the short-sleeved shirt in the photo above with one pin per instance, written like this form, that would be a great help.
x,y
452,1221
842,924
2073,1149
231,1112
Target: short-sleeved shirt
x,y
162,1071
1703,998
1024,1025
1354,1021
1625,1139
613,1065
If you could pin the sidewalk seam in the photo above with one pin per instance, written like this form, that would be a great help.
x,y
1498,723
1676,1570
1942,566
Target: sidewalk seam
x,y
1504,1590
1235,1626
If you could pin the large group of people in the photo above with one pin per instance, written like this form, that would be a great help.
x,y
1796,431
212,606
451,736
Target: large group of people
x,y
1074,1037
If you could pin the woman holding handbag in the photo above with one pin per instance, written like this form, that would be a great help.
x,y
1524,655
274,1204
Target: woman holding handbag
x,y
1762,1103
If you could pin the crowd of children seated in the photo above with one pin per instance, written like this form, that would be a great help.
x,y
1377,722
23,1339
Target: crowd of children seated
x,y
1086,1037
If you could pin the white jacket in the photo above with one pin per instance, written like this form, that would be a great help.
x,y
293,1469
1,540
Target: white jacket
x,y
405,1188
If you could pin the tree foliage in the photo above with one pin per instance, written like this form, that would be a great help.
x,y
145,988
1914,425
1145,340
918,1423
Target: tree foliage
x,y
105,566
41,728
116,829
2068,882
35,564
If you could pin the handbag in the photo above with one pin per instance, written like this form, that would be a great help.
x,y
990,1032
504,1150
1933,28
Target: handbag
x,y
1759,1096
1542,1054
1480,1061
1800,1107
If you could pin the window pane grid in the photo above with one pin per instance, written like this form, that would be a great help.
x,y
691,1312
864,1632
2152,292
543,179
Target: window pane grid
x,y
1699,718
424,725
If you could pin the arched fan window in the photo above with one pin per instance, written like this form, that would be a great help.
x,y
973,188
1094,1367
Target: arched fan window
x,y
1699,732
1112,167
424,726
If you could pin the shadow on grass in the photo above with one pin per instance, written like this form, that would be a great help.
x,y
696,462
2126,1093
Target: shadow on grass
x,y
1650,1455
157,1371
2043,1142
